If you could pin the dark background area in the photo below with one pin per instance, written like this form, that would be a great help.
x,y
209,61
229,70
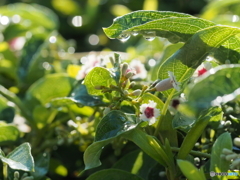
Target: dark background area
x,y
100,13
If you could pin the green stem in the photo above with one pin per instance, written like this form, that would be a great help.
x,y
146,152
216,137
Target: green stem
x,y
163,112
5,171
192,152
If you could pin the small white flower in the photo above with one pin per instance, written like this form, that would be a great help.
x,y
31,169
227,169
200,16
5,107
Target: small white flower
x,y
202,69
173,81
149,112
89,62
138,69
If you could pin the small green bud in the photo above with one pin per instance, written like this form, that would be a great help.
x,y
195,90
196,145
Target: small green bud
x,y
136,92
132,84
125,92
236,163
124,68
231,157
164,85
162,174
228,123
129,75
16,174
236,141
226,151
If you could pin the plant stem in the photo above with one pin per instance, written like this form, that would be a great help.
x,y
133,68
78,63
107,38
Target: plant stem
x,y
163,112
194,153
5,171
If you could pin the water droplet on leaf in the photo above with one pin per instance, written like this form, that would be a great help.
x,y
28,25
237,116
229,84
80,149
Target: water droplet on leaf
x,y
149,35
124,37
134,33
149,38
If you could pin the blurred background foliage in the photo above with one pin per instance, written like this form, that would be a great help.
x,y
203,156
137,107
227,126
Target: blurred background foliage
x,y
37,41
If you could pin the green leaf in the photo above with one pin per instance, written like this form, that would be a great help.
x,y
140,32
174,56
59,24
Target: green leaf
x,y
8,134
167,52
161,22
48,88
111,126
113,174
136,162
41,166
197,129
219,164
82,97
98,76
196,49
223,86
20,158
44,16
183,122
190,171
150,146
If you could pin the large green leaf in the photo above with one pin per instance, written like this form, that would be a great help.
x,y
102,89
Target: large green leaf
x,y
111,126
190,171
113,174
48,88
20,158
8,133
196,49
219,164
222,84
162,23
36,15
197,129
98,76
150,146
136,162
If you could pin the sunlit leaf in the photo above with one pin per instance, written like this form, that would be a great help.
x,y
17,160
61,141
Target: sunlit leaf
x,y
190,171
111,126
222,86
20,158
197,129
48,88
220,164
98,76
136,162
8,133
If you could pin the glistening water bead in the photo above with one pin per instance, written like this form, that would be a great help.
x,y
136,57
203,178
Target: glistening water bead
x,y
134,33
124,37
149,35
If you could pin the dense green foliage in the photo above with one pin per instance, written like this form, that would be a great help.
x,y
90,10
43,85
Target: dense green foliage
x,y
166,108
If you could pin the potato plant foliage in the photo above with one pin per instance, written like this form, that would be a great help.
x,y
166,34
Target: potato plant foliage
x,y
170,110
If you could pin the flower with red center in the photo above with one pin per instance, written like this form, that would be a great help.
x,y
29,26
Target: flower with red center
x,y
149,112
202,71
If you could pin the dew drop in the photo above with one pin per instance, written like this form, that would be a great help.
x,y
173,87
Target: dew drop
x,y
149,35
134,33
124,37
149,38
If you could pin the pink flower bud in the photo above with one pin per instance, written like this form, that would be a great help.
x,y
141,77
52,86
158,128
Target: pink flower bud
x,y
164,85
